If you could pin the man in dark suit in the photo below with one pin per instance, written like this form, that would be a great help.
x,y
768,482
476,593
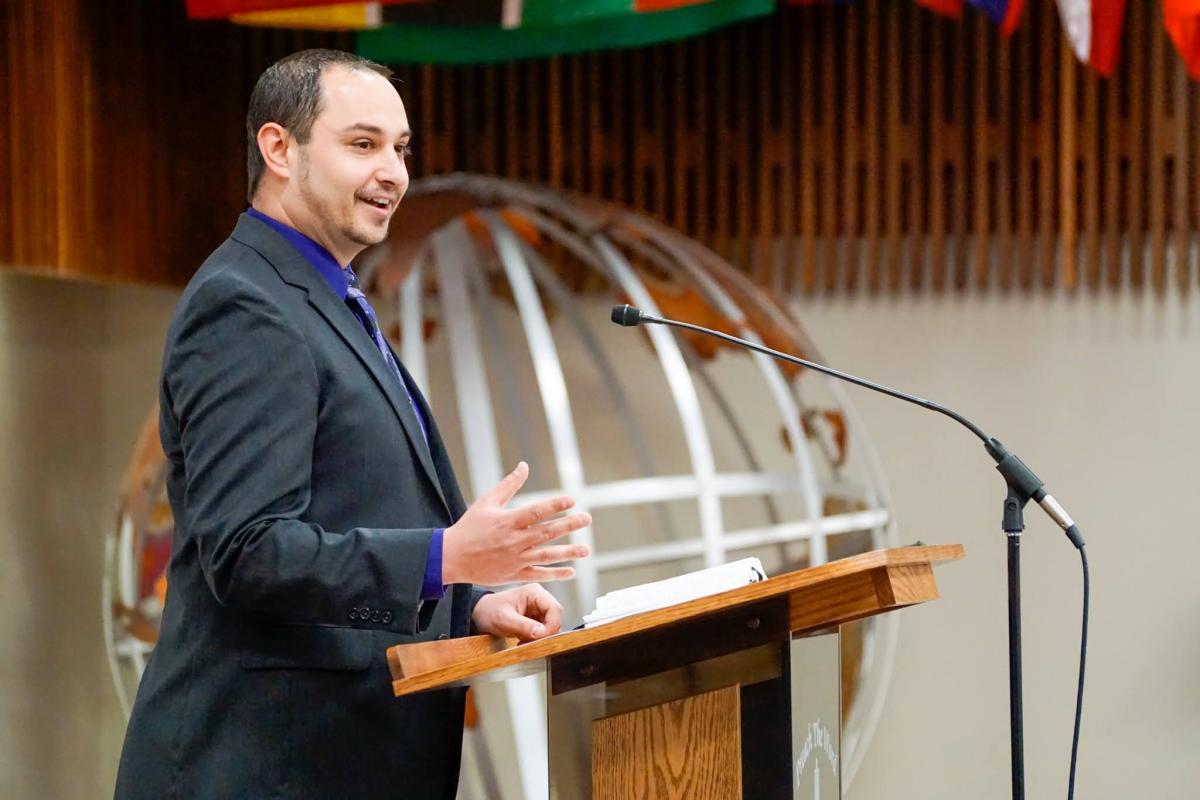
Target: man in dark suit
x,y
317,518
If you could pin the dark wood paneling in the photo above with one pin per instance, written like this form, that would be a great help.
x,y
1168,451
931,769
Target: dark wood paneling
x,y
876,147
867,147
123,139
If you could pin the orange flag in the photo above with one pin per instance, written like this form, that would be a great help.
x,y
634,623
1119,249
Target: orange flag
x,y
1181,18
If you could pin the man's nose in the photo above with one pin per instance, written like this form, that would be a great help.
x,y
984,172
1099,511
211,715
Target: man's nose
x,y
393,169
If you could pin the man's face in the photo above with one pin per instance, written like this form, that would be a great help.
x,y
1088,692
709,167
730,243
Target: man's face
x,y
350,176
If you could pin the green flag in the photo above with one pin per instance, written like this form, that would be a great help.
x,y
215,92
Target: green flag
x,y
589,28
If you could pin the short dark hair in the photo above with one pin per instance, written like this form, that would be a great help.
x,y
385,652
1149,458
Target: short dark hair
x,y
289,93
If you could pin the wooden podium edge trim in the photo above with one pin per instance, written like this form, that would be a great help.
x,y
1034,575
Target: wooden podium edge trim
x,y
898,576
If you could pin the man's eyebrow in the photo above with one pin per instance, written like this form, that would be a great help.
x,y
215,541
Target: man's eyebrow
x,y
367,127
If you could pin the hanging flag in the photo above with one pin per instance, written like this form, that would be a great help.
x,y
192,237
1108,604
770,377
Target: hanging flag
x,y
319,14
218,9
1076,16
642,6
557,12
1012,17
525,13
1181,18
456,13
538,37
1005,13
996,10
947,8
1093,28
348,17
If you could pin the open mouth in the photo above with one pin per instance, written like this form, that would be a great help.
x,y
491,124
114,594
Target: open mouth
x,y
381,204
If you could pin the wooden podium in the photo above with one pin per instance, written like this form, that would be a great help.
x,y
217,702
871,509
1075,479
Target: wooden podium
x,y
734,695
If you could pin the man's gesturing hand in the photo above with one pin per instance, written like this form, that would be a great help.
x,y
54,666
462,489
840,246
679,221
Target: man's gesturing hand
x,y
527,612
491,544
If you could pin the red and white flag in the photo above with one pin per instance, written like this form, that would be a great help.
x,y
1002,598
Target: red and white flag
x,y
1093,28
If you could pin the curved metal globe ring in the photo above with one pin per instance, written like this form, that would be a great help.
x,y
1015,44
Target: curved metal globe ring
x,y
686,453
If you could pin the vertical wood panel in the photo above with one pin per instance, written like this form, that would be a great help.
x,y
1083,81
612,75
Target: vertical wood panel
x,y
1136,188
872,135
1089,143
807,171
959,82
765,234
1002,153
1067,157
825,168
981,139
1158,140
1116,160
738,169
1181,238
938,219
1026,100
853,146
916,180
1050,53
895,147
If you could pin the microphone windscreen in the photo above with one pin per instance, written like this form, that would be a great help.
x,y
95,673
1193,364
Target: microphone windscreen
x,y
626,315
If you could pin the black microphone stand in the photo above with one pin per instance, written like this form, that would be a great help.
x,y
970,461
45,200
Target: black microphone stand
x,y
1022,486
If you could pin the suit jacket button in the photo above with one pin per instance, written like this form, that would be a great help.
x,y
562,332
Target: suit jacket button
x,y
376,616
387,617
443,636
353,614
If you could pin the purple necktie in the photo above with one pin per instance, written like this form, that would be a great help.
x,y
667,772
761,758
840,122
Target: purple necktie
x,y
362,309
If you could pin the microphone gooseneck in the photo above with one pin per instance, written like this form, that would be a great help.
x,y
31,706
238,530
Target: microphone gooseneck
x,y
1012,468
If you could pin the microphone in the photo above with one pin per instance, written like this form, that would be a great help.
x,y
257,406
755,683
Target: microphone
x,y
627,316
1018,476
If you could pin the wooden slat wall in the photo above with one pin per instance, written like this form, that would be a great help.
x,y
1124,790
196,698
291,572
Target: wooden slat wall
x,y
871,147
122,153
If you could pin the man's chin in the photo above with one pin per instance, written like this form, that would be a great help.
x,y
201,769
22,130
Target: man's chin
x,y
368,235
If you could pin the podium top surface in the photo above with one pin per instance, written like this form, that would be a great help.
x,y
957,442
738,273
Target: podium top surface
x,y
817,597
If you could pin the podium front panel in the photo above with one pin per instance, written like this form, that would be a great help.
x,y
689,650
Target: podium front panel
x,y
761,722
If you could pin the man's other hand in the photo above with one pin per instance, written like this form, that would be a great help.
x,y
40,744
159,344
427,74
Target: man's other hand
x,y
527,612
491,544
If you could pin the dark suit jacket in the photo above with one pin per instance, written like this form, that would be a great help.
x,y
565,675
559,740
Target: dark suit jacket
x,y
304,500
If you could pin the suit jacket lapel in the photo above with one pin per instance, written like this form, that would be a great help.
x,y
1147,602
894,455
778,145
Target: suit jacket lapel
x,y
295,270
436,449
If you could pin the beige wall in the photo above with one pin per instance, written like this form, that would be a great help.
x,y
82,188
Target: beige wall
x,y
1099,398
78,363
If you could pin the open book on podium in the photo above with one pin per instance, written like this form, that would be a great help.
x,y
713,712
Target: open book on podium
x,y
728,695
673,591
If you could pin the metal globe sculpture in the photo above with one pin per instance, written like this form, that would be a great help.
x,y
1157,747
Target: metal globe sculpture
x,y
687,451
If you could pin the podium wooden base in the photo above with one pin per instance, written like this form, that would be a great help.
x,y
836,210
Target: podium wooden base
x,y
682,749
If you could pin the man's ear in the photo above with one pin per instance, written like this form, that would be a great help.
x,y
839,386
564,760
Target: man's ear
x,y
273,142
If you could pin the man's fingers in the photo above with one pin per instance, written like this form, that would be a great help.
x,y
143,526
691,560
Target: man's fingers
x,y
513,623
507,489
544,574
534,513
553,529
554,555
550,610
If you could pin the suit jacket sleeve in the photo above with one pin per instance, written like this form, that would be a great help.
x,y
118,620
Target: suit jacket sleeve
x,y
242,386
